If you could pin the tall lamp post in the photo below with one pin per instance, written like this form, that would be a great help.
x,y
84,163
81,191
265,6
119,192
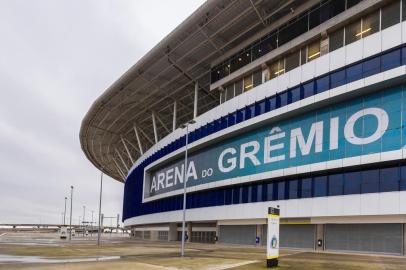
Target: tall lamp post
x,y
70,219
100,201
64,212
186,125
84,220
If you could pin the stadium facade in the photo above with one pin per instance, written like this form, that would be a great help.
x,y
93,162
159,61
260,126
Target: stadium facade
x,y
298,104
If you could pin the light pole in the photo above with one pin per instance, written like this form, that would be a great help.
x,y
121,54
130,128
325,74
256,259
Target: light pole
x,y
84,220
184,183
64,212
100,201
70,219
91,226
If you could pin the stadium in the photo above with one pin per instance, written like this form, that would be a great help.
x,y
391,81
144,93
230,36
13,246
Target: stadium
x,y
296,104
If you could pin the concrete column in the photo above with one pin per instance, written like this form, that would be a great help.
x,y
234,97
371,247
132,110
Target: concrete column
x,y
320,236
189,231
196,100
217,232
404,239
173,232
259,234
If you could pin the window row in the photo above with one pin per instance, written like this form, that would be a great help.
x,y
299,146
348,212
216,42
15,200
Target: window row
x,y
385,179
306,21
370,66
378,20
243,85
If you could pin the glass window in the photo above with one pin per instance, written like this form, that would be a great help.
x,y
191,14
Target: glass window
x,y
403,10
292,61
245,193
335,184
248,83
259,193
371,66
236,195
354,73
351,3
238,88
294,94
353,32
370,181
257,77
389,180
229,92
293,189
352,183
306,188
336,40
322,84
314,18
308,89
281,191
313,51
270,192
277,68
337,78
252,193
403,178
320,186
370,24
390,60
303,55
282,99
390,14
294,29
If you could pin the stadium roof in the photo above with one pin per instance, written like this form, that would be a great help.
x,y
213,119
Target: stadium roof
x,y
167,73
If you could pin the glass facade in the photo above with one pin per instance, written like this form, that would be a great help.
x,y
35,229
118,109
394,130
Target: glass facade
x,y
304,22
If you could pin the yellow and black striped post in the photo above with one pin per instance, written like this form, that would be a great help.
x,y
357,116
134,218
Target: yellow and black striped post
x,y
272,249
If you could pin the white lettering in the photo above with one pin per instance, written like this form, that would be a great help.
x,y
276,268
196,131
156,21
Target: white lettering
x,y
169,177
315,134
232,162
268,148
383,122
161,177
191,171
250,155
333,133
153,184
179,174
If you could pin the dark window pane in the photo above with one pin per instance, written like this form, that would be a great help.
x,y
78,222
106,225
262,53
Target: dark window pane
x,y
403,10
371,67
403,178
270,194
320,186
282,99
229,92
292,61
354,73
351,3
259,193
257,77
322,84
293,189
390,178
308,89
336,40
353,32
352,183
306,189
294,94
281,191
228,196
292,30
252,195
370,181
236,195
390,60
390,14
337,78
314,18
370,24
245,194
238,87
335,184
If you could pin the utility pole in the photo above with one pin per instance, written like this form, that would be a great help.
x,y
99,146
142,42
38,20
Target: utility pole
x,y
70,220
91,226
84,220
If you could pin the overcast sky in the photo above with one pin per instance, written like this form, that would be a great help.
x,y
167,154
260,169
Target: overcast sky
x,y
56,58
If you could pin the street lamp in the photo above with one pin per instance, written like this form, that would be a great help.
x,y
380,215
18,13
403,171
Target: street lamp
x,y
70,219
100,201
91,226
84,220
64,212
185,125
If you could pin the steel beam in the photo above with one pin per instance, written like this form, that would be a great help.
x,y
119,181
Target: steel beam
x,y
138,139
154,126
122,160
174,115
195,100
126,149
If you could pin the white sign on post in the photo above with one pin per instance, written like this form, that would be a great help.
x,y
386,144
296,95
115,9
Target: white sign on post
x,y
272,253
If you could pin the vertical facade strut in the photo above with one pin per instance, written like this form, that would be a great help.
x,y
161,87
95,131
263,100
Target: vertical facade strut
x,y
126,149
154,126
174,115
196,99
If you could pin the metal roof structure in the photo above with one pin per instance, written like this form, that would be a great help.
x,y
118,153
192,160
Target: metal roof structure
x,y
166,74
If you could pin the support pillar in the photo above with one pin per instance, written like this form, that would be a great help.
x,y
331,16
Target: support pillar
x,y
189,231
173,232
196,99
259,235
175,105
320,241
